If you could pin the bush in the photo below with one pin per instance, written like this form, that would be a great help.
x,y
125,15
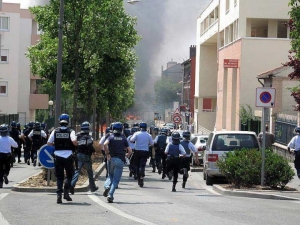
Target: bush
x,y
243,168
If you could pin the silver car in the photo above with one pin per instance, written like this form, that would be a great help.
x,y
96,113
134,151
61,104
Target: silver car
x,y
220,142
199,140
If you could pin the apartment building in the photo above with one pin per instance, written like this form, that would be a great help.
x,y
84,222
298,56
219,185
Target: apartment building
x,y
236,40
18,89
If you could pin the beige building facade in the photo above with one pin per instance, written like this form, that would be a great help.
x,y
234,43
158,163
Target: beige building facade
x,y
18,90
236,40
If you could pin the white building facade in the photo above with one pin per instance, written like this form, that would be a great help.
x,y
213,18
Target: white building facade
x,y
18,91
236,40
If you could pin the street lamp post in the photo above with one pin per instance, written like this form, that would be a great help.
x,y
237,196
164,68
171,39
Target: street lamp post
x,y
59,63
50,103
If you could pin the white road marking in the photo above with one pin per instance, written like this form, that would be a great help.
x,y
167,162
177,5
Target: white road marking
x,y
117,211
3,221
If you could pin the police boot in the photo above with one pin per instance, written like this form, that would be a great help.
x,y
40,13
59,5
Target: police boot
x,y
173,188
66,195
59,200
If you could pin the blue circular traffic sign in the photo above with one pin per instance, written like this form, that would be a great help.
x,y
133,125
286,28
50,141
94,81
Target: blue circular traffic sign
x,y
265,97
46,156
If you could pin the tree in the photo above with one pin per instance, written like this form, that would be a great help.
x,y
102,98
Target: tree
x,y
166,91
96,33
294,57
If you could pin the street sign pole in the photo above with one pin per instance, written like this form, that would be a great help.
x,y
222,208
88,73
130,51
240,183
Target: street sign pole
x,y
263,147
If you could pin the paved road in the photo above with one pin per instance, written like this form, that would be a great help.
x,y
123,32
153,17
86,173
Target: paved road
x,y
153,204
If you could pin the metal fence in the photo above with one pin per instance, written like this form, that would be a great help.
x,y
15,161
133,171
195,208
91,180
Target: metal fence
x,y
7,119
284,131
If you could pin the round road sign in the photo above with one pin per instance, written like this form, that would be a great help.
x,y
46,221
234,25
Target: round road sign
x,y
176,119
265,97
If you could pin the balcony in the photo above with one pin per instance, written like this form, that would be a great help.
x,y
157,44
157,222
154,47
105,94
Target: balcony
x,y
38,101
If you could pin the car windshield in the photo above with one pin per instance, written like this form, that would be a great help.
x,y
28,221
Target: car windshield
x,y
228,142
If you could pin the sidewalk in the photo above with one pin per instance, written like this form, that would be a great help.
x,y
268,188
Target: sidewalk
x,y
82,188
266,194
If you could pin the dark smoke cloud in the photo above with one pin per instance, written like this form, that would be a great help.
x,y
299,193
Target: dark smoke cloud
x,y
168,28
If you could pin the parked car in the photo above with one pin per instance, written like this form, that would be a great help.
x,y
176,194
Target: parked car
x,y
220,142
199,140
170,125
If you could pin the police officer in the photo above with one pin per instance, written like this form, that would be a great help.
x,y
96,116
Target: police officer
x,y
64,140
85,150
20,143
294,144
126,130
36,136
160,156
152,163
44,128
16,135
142,140
28,142
173,150
132,166
189,148
6,143
108,132
114,148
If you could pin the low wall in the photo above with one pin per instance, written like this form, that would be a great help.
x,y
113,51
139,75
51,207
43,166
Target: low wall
x,y
282,150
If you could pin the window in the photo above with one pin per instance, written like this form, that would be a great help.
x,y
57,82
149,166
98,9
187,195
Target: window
x,y
4,23
3,88
227,5
282,29
207,104
4,56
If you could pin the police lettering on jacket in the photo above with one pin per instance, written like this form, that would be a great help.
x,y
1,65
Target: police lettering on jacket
x,y
117,143
85,144
62,139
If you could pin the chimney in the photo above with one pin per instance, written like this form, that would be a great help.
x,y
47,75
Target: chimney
x,y
192,51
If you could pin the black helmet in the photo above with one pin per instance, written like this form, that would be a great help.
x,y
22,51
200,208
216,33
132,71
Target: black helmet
x,y
143,126
135,125
18,125
133,130
64,118
13,124
186,134
4,130
37,125
111,126
107,130
175,135
117,128
126,125
30,124
43,125
85,127
26,125
297,130
155,130
163,131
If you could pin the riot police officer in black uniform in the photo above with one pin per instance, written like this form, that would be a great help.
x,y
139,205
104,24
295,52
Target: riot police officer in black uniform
x,y
126,130
190,149
160,143
85,150
28,142
44,128
20,143
36,136
64,140
173,150
16,135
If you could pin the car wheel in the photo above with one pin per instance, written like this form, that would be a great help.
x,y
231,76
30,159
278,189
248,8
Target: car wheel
x,y
209,180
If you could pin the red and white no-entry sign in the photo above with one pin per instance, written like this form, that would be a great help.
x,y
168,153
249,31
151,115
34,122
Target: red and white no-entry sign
x,y
265,97
177,118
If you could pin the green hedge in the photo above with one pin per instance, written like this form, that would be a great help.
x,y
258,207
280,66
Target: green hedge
x,y
243,168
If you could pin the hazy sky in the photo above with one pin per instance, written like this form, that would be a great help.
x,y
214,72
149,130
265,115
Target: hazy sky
x,y
168,29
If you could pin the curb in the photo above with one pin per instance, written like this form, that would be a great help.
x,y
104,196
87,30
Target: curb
x,y
82,188
250,194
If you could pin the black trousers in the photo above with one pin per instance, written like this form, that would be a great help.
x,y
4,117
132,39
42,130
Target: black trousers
x,y
62,165
5,159
140,159
160,158
185,164
173,164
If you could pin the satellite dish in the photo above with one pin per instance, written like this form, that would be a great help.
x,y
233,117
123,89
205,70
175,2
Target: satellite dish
x,y
132,1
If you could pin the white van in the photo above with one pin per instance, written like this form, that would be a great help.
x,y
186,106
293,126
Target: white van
x,y
220,142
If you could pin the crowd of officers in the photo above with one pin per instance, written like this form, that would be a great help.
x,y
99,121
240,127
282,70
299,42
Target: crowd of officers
x,y
168,154
13,139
